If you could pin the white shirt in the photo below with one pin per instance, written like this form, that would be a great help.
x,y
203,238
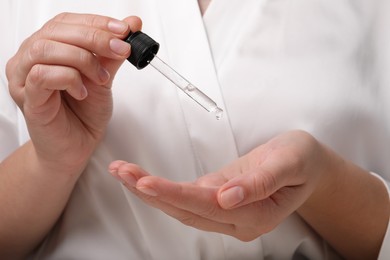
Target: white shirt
x,y
273,66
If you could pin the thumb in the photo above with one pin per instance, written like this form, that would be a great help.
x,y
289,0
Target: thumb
x,y
247,188
256,184
112,66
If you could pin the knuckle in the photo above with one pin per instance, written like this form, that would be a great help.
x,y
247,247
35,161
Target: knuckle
x,y
10,69
264,184
93,36
74,78
16,94
97,21
15,90
91,20
61,17
86,59
297,161
38,50
36,75
49,29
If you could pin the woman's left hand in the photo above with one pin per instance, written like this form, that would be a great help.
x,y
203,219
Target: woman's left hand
x,y
246,199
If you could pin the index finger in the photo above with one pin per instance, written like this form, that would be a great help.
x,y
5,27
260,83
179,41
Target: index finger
x,y
93,33
101,22
97,34
114,26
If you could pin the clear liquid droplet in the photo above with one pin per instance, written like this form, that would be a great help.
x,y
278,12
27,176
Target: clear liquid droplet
x,y
218,113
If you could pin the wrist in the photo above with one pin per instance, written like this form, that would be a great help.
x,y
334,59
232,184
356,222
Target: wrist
x,y
69,166
348,209
330,182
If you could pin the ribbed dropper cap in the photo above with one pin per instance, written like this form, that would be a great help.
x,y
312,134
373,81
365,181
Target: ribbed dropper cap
x,y
143,49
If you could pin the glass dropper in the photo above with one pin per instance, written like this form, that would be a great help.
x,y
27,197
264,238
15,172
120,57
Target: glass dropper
x,y
143,53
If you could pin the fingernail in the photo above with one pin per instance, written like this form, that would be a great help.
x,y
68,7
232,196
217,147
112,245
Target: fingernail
x,y
147,190
119,47
83,92
104,75
232,197
128,179
116,26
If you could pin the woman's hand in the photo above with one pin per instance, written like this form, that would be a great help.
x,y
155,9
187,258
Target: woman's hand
x,y
61,79
292,172
247,198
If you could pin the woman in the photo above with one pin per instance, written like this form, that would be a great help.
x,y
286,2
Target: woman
x,y
263,188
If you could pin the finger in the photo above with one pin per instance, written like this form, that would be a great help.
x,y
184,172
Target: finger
x,y
133,23
93,39
112,66
201,201
186,217
71,34
50,52
261,182
62,40
43,80
192,207
113,166
98,34
245,223
113,169
91,20
115,26
128,173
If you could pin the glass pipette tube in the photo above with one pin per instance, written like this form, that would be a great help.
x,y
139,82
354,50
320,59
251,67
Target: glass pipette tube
x,y
143,53
193,92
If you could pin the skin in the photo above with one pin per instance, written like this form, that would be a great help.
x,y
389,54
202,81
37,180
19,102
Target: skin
x,y
292,172
61,79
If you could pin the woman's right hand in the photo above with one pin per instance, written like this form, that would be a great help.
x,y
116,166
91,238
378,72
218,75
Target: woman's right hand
x,y
61,79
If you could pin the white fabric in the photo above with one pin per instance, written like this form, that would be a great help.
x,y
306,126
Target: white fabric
x,y
273,66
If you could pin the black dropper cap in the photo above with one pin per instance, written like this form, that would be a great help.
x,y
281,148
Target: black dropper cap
x,y
143,49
